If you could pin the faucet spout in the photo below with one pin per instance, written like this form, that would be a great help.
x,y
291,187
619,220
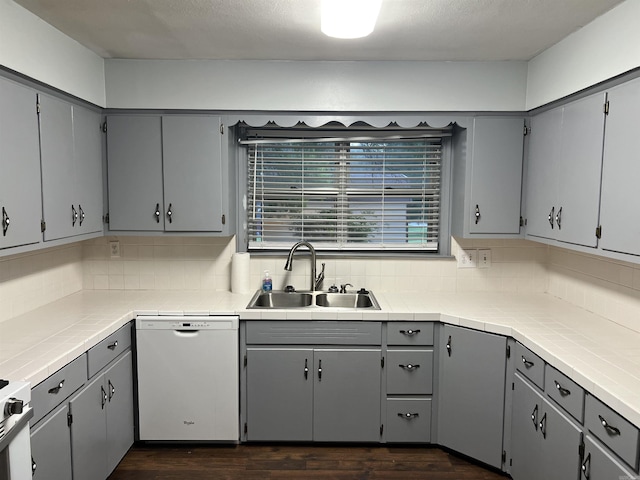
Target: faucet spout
x,y
289,264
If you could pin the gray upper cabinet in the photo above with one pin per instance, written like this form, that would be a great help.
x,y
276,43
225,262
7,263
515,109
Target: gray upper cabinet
x,y
134,153
166,174
71,159
20,200
471,393
496,175
488,177
621,171
564,172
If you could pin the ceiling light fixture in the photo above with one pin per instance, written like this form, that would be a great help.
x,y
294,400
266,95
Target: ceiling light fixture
x,y
349,18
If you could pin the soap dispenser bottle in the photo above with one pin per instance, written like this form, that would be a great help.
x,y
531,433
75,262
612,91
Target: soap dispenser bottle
x,y
267,283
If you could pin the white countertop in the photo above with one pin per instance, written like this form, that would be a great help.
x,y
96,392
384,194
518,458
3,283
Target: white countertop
x,y
602,356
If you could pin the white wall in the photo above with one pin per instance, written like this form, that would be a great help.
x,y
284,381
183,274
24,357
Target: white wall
x,y
608,46
316,86
36,49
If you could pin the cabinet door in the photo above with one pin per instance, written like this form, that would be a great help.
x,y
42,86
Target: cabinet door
x,y
192,160
599,464
497,161
119,383
347,390
51,447
89,431
472,382
134,164
87,150
525,437
579,171
20,190
542,180
59,181
560,456
621,171
279,394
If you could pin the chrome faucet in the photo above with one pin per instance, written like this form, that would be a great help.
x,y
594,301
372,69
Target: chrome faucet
x,y
315,282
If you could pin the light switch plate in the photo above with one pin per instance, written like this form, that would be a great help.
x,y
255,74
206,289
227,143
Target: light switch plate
x,y
467,258
484,258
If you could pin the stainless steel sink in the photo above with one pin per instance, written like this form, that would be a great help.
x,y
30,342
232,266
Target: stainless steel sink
x,y
308,299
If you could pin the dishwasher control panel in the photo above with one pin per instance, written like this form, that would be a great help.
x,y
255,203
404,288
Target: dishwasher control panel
x,y
160,322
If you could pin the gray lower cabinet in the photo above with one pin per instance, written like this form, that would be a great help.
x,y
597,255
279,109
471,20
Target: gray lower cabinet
x,y
51,446
545,443
102,421
320,394
20,192
471,393
599,464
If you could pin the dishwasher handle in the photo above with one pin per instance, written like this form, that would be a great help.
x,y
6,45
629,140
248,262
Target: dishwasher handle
x,y
186,333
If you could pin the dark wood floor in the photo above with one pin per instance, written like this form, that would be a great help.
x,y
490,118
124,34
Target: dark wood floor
x,y
253,462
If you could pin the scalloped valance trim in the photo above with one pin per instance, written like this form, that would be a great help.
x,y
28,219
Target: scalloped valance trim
x,y
377,121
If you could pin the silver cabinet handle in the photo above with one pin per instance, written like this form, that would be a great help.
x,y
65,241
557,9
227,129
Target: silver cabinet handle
x,y
409,366
34,467
112,390
81,214
477,214
527,363
559,218
543,426
410,333
534,417
563,391
611,430
169,214
306,369
57,388
586,467
5,222
319,370
449,345
551,216
157,213
104,396
408,416
112,346
74,216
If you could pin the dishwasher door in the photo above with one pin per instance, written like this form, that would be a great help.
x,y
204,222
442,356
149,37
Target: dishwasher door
x,y
188,378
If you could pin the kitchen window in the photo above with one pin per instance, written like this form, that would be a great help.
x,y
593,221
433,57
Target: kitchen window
x,y
361,192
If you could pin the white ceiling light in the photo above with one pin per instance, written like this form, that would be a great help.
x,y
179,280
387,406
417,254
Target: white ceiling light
x,y
349,18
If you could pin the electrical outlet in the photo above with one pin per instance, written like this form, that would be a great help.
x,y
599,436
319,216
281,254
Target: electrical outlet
x,y
484,258
467,258
114,248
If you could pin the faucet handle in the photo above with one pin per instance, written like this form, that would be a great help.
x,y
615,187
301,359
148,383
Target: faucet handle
x,y
343,288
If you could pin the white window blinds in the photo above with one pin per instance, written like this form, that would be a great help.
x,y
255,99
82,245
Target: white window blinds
x,y
344,194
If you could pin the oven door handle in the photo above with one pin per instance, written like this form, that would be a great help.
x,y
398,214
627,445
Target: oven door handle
x,y
23,422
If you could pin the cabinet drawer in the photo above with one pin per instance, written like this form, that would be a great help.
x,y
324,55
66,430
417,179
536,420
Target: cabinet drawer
x,y
568,394
531,365
50,393
108,349
409,371
613,430
314,333
409,420
410,333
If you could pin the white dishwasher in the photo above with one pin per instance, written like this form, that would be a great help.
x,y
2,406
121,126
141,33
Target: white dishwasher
x,y
188,378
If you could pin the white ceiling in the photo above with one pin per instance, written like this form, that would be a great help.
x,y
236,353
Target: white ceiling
x,y
290,29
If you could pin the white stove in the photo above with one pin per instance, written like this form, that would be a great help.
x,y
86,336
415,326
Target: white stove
x,y
15,443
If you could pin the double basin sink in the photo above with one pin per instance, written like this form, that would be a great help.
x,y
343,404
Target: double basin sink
x,y
308,299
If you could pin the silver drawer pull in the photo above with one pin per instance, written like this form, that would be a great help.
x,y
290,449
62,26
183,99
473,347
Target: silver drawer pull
x,y
112,346
409,366
586,467
527,363
611,430
563,391
56,389
410,332
408,416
